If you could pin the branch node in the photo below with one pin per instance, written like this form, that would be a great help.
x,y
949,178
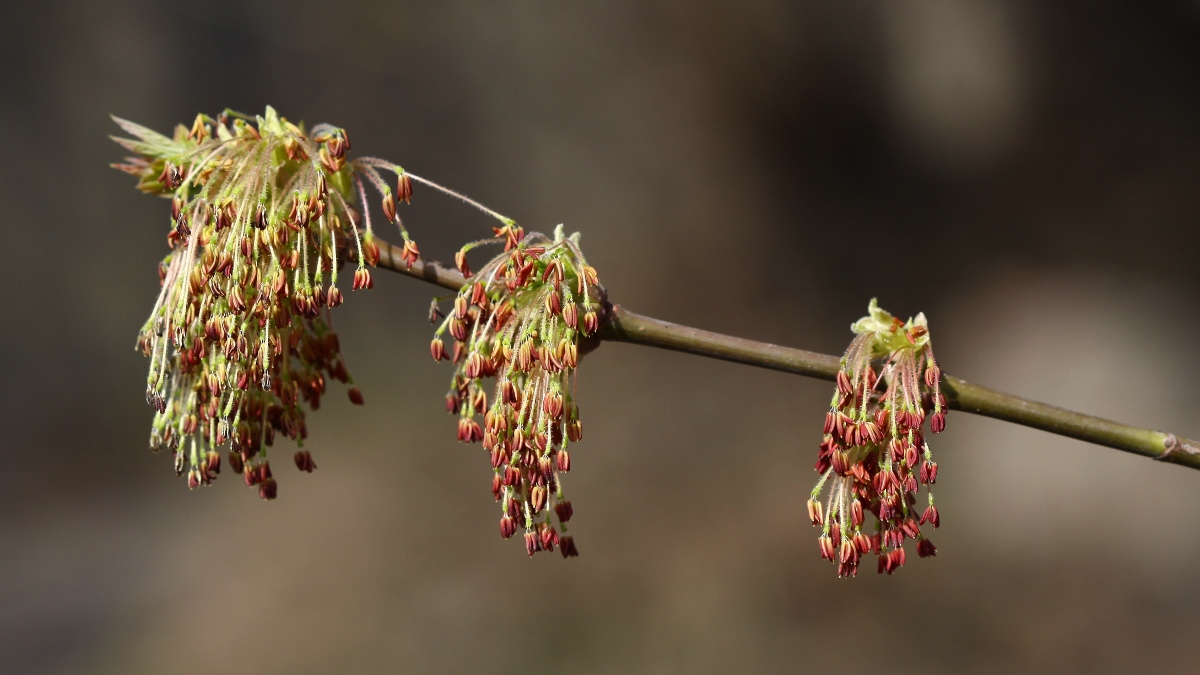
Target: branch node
x,y
1172,445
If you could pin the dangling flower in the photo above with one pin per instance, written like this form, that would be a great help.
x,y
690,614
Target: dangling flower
x,y
520,323
873,454
240,335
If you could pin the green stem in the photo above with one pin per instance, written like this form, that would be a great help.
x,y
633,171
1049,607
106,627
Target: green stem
x,y
623,325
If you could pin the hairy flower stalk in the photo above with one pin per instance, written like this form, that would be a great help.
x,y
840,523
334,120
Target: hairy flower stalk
x,y
521,322
873,456
240,334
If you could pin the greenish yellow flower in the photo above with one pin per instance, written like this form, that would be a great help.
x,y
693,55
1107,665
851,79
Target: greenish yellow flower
x,y
873,455
521,322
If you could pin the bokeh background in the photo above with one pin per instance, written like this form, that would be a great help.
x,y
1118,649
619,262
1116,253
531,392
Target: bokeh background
x,y
1026,173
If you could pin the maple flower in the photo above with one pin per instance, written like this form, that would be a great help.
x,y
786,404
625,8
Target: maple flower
x,y
240,334
521,322
873,456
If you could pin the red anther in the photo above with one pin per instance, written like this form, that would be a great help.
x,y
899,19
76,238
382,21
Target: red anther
x,y
929,472
843,383
304,461
355,396
896,447
474,365
567,547
926,549
496,486
574,431
931,516
932,375
872,432
880,481
937,423
458,331
842,421
235,462
840,462
404,188
815,512
461,305
437,349
478,295
881,418
591,322
910,455
860,474
563,461
847,553
549,538
389,207
532,543
409,254
862,543
512,476
835,532
871,378
537,498
571,314
508,527
830,422
362,279
564,511
460,261
370,252
554,303
856,513
268,489
334,298
827,548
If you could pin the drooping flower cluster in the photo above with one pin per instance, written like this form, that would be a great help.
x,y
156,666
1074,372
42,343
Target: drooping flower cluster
x,y
240,336
873,455
521,322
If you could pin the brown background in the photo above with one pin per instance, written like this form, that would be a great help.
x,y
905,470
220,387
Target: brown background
x,y
1025,173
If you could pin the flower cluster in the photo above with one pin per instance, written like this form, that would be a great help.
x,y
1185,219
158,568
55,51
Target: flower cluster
x,y
240,334
873,455
521,322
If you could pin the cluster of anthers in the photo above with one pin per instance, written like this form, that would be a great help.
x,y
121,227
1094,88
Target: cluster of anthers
x,y
873,455
521,321
240,334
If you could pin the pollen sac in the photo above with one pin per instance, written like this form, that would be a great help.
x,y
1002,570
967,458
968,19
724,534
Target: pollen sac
x,y
873,457
510,327
239,340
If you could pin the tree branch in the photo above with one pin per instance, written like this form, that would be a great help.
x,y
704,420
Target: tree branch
x,y
623,325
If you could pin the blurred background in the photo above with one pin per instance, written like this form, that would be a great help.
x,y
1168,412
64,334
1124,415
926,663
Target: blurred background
x,y
1025,173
